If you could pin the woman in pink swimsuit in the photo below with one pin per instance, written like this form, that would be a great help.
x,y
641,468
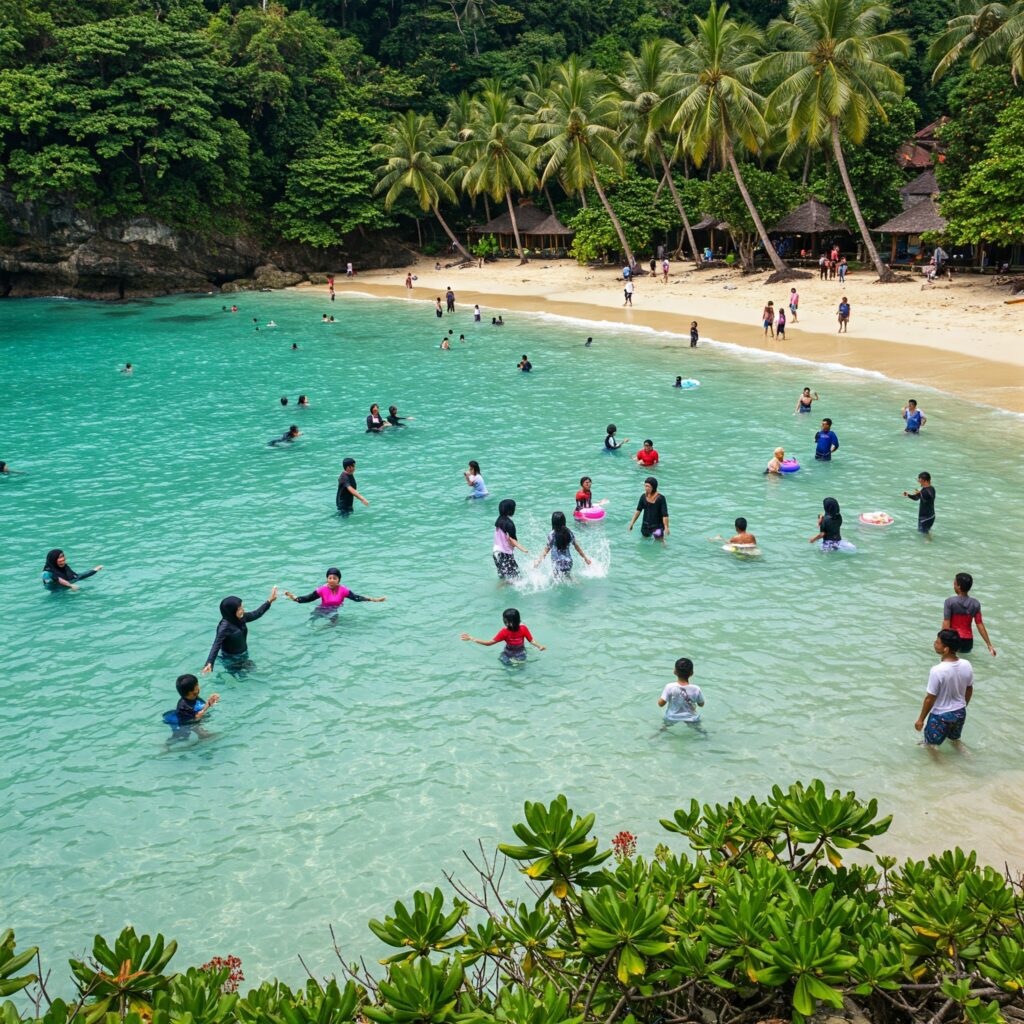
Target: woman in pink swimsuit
x,y
332,596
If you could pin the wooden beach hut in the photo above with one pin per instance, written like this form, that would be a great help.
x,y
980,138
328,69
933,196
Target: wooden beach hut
x,y
528,217
906,228
550,236
810,220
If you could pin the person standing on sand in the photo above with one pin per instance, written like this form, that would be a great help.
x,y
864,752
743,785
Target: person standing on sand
x,y
768,319
408,281
794,303
349,270
842,270
694,334
843,314
476,314
664,270
780,325
628,292
822,267
654,265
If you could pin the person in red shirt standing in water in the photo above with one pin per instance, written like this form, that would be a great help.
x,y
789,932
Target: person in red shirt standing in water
x,y
514,634
961,611
647,456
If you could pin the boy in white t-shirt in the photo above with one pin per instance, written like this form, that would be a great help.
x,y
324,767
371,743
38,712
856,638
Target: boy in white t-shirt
x,y
682,698
950,688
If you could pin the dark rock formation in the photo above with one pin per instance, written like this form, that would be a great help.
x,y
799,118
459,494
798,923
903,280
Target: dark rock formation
x,y
60,250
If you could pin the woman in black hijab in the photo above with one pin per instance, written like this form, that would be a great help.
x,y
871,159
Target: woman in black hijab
x,y
829,523
231,641
58,574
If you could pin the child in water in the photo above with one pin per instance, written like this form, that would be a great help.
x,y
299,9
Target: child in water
x,y
775,462
506,542
561,540
332,596
610,444
584,496
681,698
474,480
514,634
190,708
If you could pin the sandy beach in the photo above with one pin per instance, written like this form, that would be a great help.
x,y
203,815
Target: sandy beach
x,y
959,337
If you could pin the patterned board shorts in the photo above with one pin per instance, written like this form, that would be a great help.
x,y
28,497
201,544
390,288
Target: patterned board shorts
x,y
945,726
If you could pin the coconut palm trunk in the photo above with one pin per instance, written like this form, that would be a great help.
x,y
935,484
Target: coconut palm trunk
x,y
679,205
884,273
780,267
515,228
616,223
448,231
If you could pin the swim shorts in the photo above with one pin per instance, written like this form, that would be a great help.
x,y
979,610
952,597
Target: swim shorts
x,y
925,525
509,655
966,645
945,726
646,531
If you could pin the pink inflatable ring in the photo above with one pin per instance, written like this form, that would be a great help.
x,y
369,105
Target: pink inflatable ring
x,y
593,513
789,466
876,518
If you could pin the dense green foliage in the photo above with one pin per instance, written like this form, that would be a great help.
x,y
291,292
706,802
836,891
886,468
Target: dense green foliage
x,y
204,113
753,914
989,203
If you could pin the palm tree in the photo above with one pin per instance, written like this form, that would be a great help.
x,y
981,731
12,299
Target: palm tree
x,y
833,70
497,154
975,22
410,148
578,124
719,108
648,85
1005,42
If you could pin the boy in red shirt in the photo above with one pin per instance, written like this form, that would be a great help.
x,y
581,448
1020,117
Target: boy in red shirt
x,y
647,456
515,635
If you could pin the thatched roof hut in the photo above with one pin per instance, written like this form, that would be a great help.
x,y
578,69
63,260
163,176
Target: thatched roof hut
x,y
538,230
915,220
925,184
811,218
706,223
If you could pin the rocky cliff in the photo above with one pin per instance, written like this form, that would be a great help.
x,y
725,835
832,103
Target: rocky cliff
x,y
61,250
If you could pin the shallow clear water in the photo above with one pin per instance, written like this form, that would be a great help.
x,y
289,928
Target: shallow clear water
x,y
356,762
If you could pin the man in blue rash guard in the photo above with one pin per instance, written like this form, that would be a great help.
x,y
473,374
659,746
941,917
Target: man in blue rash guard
x,y
825,442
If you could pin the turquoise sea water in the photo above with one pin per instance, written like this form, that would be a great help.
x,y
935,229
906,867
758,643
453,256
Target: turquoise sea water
x,y
356,762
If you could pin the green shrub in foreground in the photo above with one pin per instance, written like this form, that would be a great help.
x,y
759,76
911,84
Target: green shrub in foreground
x,y
757,916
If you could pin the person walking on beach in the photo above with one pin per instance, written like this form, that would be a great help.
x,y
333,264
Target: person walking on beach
x,y
450,298
925,494
768,319
349,271
628,292
780,325
961,610
843,314
408,281
794,303
825,442
842,270
822,267
664,270
694,334
949,691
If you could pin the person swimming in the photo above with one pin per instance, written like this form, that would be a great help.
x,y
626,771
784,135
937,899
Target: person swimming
x,y
57,574
332,596
678,383
588,343
128,369
284,400
303,402
375,423
610,444
232,638
286,438
394,419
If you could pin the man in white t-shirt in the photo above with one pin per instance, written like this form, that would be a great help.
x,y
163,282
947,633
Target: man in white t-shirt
x,y
681,698
950,688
